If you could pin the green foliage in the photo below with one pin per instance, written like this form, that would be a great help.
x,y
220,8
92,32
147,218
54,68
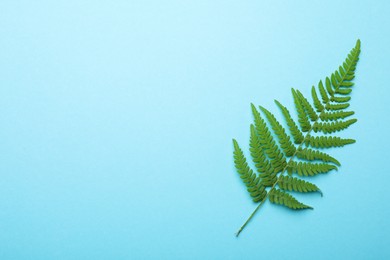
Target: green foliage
x,y
308,168
281,157
327,141
252,182
331,116
283,198
332,126
263,166
295,132
303,118
289,183
284,140
313,155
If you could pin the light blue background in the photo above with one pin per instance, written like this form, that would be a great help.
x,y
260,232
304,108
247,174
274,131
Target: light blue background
x,y
116,120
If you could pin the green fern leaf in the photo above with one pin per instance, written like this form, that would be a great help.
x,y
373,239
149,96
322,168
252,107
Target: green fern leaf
x,y
284,140
324,95
270,144
302,117
344,91
289,183
253,184
340,99
313,155
333,126
346,84
307,106
280,197
327,141
336,106
329,87
330,116
263,166
295,132
309,169
317,103
278,161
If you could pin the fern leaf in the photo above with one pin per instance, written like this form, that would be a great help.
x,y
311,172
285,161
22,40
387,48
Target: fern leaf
x,y
340,99
278,161
324,95
342,71
302,117
346,84
284,140
294,184
270,146
330,116
280,197
253,184
333,126
309,169
336,106
312,155
307,106
317,103
327,141
347,72
343,91
333,79
329,87
295,132
257,152
263,166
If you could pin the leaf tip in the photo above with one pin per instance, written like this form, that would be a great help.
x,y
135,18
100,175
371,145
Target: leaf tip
x,y
358,43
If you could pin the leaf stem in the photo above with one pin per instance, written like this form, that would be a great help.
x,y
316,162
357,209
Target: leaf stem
x,y
250,217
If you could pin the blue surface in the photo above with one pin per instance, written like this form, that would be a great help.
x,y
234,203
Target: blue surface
x,y
116,121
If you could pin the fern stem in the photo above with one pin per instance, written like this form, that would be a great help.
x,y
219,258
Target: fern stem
x,y
294,154
251,216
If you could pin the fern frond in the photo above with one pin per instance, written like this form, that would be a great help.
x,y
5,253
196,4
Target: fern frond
x,y
317,103
336,75
253,184
332,127
307,106
346,84
335,107
284,140
329,87
342,83
302,117
294,130
278,161
327,141
257,152
340,99
263,166
312,155
271,145
324,95
294,184
330,116
309,169
342,91
277,196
